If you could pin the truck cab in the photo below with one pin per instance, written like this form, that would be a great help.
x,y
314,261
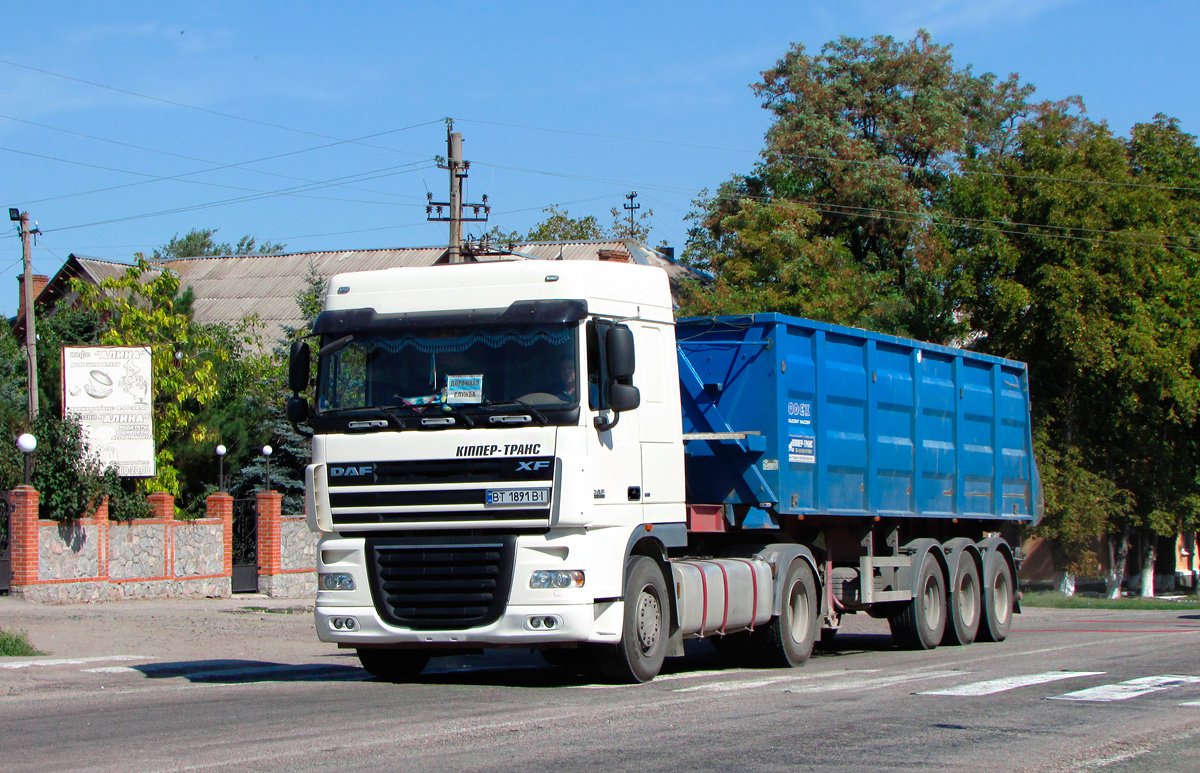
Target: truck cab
x,y
484,463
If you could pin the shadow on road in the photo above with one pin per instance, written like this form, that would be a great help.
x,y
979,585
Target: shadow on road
x,y
245,671
493,668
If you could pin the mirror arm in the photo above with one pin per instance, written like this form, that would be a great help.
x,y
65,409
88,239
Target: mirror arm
x,y
603,425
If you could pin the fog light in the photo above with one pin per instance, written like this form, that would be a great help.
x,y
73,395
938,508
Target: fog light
x,y
536,622
558,579
336,622
335,581
351,624
549,622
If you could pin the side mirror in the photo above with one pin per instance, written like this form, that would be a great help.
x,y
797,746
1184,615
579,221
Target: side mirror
x,y
624,397
619,344
298,364
297,409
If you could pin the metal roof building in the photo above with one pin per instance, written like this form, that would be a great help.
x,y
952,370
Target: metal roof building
x,y
229,289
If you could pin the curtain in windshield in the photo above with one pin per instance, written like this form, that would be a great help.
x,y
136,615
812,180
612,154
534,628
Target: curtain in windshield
x,y
534,364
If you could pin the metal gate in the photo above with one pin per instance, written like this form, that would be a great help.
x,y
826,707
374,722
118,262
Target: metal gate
x,y
245,546
5,545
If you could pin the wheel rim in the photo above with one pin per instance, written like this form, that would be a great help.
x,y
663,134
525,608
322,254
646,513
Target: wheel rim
x,y
1000,597
967,600
932,606
649,620
798,611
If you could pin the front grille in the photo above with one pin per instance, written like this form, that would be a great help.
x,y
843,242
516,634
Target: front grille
x,y
441,583
424,502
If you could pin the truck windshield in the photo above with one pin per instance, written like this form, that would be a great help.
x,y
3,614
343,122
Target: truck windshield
x,y
472,371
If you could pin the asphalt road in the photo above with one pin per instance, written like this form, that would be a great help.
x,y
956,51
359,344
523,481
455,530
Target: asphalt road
x,y
243,685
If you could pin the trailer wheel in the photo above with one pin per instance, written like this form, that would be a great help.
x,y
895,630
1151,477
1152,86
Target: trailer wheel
x,y
964,606
393,665
639,655
922,622
787,641
998,593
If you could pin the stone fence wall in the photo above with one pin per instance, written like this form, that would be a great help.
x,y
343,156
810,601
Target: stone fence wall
x,y
96,559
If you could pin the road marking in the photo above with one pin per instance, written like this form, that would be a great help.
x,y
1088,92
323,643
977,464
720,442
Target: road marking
x,y
111,670
73,661
1129,689
857,680
1191,703
1009,683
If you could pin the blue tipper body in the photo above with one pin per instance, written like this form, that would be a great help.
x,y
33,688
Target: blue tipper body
x,y
846,422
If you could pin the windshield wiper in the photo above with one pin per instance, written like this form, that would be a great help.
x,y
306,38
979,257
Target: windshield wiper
x,y
333,347
451,408
386,410
541,417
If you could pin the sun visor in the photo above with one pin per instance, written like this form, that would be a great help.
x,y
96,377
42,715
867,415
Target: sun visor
x,y
519,313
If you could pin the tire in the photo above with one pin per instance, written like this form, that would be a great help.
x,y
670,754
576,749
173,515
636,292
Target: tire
x,y
393,665
963,604
639,656
921,623
998,592
787,641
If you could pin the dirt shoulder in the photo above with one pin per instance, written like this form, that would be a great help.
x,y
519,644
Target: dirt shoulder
x,y
245,626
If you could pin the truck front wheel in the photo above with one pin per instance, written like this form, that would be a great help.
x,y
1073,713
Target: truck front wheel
x,y
639,655
393,665
787,641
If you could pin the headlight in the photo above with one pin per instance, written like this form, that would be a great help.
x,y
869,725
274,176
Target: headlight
x,y
335,581
557,579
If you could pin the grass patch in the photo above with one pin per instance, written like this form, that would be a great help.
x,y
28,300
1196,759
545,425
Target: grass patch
x,y
1054,600
16,644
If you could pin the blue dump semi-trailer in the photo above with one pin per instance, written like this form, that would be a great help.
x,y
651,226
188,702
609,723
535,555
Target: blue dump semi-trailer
x,y
499,461
902,469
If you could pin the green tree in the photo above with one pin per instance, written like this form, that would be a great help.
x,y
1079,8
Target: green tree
x,y
1077,255
864,135
199,242
141,308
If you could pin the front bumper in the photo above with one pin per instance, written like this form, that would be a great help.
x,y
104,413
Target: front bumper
x,y
592,623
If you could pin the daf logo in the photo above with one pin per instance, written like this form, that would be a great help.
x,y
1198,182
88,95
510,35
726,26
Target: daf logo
x,y
531,466
343,472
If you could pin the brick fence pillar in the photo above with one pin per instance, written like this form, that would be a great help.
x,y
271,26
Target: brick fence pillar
x,y
270,534
162,504
23,536
221,506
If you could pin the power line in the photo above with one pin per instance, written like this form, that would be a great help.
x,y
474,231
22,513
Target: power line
x,y
194,107
217,167
881,163
361,177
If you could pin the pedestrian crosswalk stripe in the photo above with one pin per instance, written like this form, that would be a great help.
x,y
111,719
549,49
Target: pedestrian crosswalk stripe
x,y
992,686
1191,703
1127,689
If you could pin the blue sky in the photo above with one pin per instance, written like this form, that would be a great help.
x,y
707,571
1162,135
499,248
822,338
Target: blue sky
x,y
566,103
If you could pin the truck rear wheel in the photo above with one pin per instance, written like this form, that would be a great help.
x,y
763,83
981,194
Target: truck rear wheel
x,y
998,593
963,623
639,655
787,641
393,665
921,623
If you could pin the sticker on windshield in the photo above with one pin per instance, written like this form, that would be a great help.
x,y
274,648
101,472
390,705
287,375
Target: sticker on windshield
x,y
463,390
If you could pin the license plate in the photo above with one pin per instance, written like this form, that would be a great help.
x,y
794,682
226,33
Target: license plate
x,y
517,496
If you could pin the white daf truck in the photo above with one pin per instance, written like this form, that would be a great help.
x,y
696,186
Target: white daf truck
x,y
531,454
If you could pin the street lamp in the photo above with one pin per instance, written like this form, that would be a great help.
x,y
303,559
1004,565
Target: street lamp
x,y
221,468
25,444
267,453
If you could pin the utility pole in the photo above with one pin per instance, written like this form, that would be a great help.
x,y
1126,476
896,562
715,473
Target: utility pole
x,y
27,287
631,208
458,173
